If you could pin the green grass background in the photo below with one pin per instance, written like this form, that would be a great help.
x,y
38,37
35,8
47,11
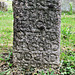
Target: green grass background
x,y
6,29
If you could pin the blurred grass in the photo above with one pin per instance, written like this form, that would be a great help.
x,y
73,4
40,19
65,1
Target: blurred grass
x,y
6,30
68,31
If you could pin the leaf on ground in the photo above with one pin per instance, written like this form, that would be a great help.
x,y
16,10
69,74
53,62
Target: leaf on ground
x,y
73,49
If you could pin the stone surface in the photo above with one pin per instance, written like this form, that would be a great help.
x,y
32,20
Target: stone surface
x,y
37,33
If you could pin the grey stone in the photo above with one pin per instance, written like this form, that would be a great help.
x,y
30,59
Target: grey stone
x,y
37,33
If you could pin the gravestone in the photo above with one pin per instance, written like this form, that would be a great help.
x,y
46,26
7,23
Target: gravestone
x,y
37,33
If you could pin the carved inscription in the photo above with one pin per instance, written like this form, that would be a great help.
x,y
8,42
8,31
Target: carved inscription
x,y
36,33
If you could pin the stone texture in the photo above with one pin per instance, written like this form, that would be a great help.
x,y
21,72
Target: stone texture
x,y
37,33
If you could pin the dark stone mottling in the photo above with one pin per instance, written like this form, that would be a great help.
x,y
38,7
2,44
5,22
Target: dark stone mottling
x,y
37,33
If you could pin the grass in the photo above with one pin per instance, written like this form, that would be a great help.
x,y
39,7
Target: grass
x,y
6,28
67,37
68,31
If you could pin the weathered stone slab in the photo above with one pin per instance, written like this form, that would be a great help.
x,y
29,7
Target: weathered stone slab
x,y
37,33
